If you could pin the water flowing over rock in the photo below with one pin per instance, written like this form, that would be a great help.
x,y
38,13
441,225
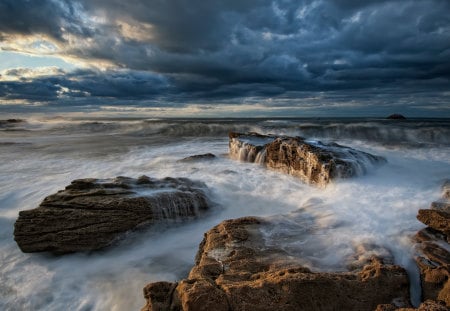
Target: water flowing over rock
x,y
92,213
198,157
433,249
236,270
313,161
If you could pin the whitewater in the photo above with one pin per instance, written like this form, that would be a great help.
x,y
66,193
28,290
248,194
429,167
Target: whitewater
x,y
40,156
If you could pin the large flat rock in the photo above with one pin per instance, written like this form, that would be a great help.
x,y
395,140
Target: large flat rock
x,y
313,161
91,213
236,270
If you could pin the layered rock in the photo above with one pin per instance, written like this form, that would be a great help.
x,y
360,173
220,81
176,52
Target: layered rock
x,y
91,213
433,249
236,270
313,161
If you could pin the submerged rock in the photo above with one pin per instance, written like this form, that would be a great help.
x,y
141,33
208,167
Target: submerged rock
x,y
313,161
236,270
433,249
198,157
91,213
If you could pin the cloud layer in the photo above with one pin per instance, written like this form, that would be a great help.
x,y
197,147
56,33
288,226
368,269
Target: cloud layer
x,y
278,52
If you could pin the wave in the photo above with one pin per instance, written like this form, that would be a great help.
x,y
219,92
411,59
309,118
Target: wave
x,y
415,133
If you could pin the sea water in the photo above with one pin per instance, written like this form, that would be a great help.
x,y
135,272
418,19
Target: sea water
x,y
42,155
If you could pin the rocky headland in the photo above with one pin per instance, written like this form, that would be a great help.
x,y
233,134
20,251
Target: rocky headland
x,y
313,161
92,213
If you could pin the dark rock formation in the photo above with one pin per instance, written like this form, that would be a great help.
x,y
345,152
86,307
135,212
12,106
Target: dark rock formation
x,y
10,122
313,161
433,247
199,157
428,305
91,213
236,270
396,116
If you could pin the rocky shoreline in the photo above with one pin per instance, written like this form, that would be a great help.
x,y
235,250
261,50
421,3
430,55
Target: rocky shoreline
x,y
235,268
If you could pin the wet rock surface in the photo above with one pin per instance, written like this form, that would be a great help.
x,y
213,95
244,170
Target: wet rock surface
x,y
313,161
92,213
198,157
236,270
433,249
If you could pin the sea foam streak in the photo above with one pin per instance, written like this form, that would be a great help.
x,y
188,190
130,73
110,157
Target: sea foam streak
x,y
41,157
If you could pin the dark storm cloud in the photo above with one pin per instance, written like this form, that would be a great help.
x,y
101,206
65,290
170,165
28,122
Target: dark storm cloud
x,y
201,50
88,85
52,18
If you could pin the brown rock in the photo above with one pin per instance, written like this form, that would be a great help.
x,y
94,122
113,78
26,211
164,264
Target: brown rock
x,y
314,162
433,256
91,213
428,305
437,219
236,270
159,294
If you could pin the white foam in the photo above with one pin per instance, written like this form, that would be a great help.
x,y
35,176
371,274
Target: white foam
x,y
380,207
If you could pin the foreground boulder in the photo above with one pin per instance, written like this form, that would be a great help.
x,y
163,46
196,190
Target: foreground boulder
x,y
236,270
433,256
313,161
91,213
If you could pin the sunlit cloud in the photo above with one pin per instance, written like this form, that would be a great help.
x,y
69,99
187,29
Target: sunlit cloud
x,y
231,55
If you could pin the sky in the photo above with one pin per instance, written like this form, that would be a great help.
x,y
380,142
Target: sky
x,y
222,58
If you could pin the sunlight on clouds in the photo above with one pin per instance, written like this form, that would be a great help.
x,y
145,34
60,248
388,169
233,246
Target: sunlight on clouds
x,y
133,30
24,74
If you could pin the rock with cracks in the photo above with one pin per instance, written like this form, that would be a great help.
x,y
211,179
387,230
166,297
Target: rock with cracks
x,y
313,161
235,270
92,213
433,256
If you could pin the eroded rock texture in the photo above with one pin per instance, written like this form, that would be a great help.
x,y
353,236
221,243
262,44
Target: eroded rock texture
x,y
433,249
91,213
235,270
313,161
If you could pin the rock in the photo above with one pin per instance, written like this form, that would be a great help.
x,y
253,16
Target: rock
x,y
428,305
14,120
92,213
396,116
433,261
10,122
159,294
433,249
438,219
236,270
313,161
199,157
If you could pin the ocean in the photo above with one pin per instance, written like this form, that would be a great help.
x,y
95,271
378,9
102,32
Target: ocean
x,y
42,155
